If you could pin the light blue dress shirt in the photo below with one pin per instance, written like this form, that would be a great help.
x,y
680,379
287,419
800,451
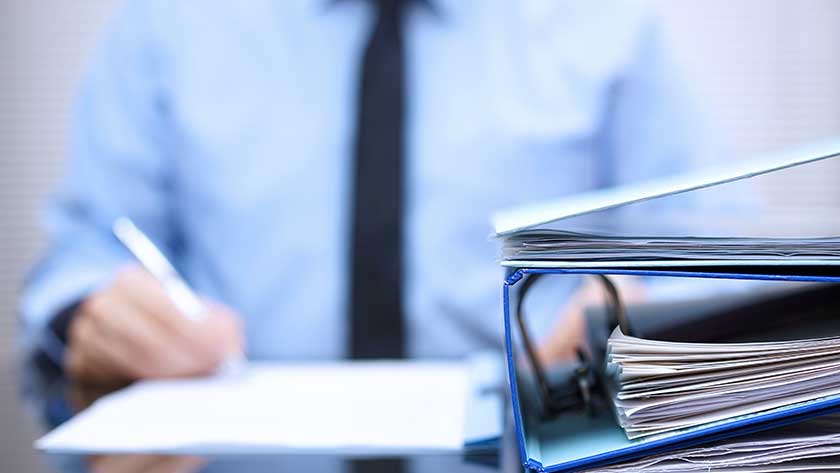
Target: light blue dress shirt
x,y
225,131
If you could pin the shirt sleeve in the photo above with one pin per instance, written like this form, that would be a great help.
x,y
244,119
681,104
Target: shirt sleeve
x,y
117,167
654,125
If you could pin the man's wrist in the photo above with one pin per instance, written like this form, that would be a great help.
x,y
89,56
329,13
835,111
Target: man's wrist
x,y
60,324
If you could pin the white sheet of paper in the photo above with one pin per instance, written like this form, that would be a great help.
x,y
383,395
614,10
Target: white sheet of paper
x,y
361,408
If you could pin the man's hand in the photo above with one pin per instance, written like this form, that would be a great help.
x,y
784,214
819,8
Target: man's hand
x,y
145,464
131,330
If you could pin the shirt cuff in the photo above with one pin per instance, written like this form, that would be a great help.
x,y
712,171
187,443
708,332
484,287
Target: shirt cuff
x,y
53,340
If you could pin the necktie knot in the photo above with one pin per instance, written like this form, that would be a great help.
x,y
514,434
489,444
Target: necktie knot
x,y
389,15
390,7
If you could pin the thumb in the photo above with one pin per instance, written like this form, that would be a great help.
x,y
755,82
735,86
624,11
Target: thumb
x,y
226,329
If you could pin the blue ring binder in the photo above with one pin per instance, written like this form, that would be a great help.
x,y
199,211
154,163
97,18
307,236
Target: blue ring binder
x,y
532,452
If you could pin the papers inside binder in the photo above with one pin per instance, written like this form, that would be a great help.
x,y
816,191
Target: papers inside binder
x,y
555,245
809,446
668,386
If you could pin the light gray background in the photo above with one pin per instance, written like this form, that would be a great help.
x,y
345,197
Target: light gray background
x,y
768,72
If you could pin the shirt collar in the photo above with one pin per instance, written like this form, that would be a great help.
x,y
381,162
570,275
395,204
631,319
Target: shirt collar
x,y
433,6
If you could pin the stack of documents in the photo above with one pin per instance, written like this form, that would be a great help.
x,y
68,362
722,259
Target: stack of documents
x,y
669,396
557,245
809,446
666,386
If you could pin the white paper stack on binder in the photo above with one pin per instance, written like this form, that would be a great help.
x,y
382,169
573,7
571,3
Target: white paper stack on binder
x,y
666,386
548,245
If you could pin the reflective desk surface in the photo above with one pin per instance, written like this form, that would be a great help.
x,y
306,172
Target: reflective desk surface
x,y
269,463
58,400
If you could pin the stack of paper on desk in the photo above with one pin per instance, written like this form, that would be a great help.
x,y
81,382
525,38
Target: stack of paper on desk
x,y
666,386
361,408
809,446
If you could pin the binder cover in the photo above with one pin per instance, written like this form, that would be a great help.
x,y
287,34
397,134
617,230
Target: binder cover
x,y
577,441
523,217
512,223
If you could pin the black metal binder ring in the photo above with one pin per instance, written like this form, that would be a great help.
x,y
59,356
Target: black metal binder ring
x,y
618,314
554,402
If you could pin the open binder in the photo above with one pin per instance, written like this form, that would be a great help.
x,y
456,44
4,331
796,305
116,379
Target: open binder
x,y
579,433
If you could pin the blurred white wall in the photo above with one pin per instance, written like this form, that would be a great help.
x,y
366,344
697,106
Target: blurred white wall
x,y
768,73
43,49
767,70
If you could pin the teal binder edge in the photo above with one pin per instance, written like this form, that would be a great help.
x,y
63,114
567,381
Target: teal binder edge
x,y
533,458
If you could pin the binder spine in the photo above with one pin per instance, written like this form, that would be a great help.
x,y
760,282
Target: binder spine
x,y
512,279
534,465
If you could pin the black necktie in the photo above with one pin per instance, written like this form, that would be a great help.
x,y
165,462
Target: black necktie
x,y
376,317
376,322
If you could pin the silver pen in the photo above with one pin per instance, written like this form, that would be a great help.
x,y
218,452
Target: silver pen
x,y
176,288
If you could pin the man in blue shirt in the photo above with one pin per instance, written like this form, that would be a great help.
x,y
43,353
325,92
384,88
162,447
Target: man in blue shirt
x,y
229,132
